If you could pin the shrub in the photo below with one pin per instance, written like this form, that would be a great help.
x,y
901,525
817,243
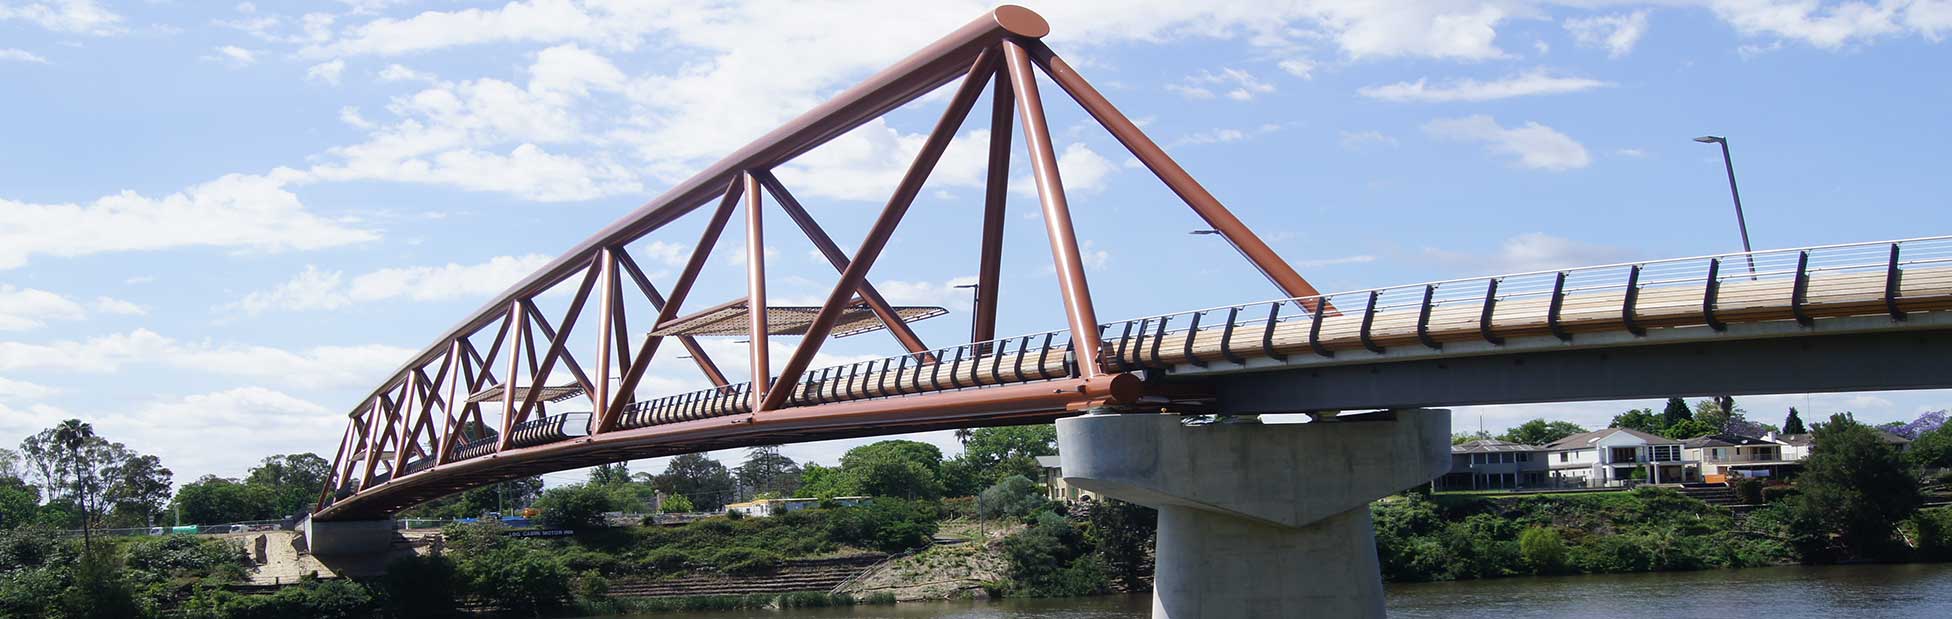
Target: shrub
x,y
739,560
1013,497
517,578
1773,494
1748,491
1543,549
885,524
1932,528
665,560
1611,554
678,504
1049,559
419,586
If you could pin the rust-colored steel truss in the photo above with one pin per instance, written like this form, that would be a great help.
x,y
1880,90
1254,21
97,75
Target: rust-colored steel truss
x,y
424,432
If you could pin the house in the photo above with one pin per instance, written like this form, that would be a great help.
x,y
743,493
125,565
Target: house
x,y
761,508
1053,479
1617,456
1492,464
1725,456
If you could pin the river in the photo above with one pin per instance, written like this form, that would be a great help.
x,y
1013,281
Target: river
x,y
1856,592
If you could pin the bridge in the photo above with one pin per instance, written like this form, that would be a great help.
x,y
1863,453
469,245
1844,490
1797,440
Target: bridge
x,y
1240,503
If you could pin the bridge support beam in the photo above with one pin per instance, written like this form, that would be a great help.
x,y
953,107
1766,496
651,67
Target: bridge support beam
x,y
1259,520
346,538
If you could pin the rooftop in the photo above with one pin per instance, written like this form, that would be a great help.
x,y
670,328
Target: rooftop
x,y
1492,445
1586,439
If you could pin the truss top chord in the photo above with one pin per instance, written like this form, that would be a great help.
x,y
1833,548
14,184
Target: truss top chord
x,y
730,319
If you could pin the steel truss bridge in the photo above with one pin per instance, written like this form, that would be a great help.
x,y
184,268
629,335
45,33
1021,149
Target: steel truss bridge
x,y
1834,318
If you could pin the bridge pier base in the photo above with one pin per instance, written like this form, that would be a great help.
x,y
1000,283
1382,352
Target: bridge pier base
x,y
348,537
1259,520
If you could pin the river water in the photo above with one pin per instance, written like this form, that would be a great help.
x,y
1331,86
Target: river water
x,y
1852,592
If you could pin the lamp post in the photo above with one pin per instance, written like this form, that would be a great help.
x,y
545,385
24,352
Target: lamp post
x,y
975,300
1741,223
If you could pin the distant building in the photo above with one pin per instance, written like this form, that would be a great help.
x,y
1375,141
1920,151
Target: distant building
x,y
761,508
1618,456
1725,456
1053,479
1494,465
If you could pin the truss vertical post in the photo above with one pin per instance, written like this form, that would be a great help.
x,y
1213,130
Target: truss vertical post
x,y
558,341
518,329
884,226
607,305
410,421
1057,211
706,240
989,266
1175,177
454,396
756,340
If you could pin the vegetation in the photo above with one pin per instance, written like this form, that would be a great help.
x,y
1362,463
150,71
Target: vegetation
x,y
1853,492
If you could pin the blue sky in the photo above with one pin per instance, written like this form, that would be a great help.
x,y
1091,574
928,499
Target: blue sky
x,y
220,225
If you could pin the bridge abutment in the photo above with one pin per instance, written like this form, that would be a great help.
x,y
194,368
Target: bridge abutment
x,y
1259,520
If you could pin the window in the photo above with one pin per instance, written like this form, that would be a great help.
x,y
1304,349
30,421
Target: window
x,y
1505,457
1562,455
1524,457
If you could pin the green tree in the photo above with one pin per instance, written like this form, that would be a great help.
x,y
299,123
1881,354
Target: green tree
x,y
1676,411
1122,535
1540,432
138,487
1051,558
708,483
1932,449
575,506
292,480
1466,437
19,502
1640,419
678,504
766,470
614,474
825,482
997,453
1543,549
1689,428
1014,497
1855,486
895,468
1794,423
216,500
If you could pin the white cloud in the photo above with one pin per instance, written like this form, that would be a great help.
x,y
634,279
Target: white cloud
x,y
1631,152
313,289
1298,67
16,389
1365,140
23,309
66,16
1234,83
327,72
1083,171
1535,251
182,431
1324,262
399,73
20,55
1835,25
232,55
1536,146
1529,83
350,115
119,307
1616,33
239,212
940,294
317,367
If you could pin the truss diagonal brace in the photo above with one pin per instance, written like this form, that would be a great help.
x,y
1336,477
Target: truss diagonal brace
x,y
826,245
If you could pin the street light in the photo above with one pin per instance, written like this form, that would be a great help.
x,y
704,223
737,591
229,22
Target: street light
x,y
975,299
1741,223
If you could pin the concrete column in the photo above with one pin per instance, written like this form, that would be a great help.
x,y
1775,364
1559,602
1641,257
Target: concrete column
x,y
348,538
1259,520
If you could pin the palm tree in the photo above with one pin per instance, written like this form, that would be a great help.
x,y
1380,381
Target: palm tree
x,y
962,436
72,435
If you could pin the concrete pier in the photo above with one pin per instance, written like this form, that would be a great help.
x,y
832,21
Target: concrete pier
x,y
348,538
1259,520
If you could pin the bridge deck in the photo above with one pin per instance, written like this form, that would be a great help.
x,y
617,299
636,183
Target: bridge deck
x,y
1838,290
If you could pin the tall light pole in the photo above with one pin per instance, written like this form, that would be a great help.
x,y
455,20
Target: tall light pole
x,y
1741,223
975,300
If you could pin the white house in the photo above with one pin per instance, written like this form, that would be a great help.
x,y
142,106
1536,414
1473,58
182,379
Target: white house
x,y
1611,457
761,508
1054,486
1493,464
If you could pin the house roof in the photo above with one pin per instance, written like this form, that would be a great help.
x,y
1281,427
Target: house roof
x,y
1724,440
1806,439
1050,462
1586,439
1492,445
